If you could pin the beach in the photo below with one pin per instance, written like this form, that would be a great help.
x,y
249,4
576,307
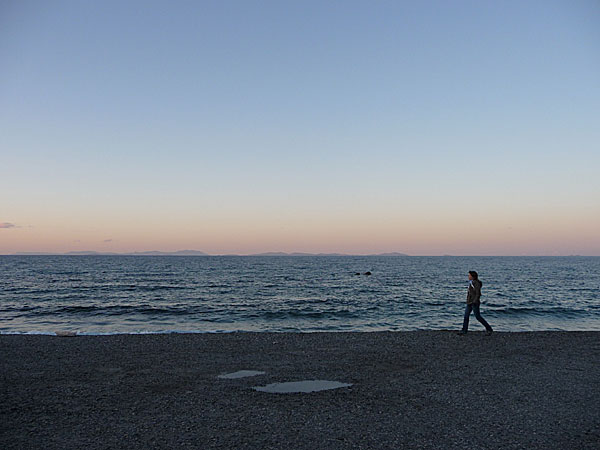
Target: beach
x,y
417,389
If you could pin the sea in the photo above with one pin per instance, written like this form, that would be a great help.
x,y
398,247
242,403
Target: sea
x,y
201,294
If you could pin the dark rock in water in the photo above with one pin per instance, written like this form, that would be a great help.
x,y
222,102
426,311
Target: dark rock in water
x,y
357,273
367,273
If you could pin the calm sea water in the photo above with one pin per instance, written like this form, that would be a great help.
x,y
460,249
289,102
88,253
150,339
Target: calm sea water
x,y
134,294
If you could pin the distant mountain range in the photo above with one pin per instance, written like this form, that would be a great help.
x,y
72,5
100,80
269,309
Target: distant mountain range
x,y
149,253
297,254
326,254
196,253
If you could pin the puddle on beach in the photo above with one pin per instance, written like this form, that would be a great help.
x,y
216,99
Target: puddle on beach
x,y
301,386
241,374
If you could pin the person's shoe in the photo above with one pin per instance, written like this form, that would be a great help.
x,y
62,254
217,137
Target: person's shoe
x,y
461,333
489,332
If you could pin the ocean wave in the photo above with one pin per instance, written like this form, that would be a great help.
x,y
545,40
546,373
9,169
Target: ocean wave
x,y
137,287
546,311
114,333
117,310
306,314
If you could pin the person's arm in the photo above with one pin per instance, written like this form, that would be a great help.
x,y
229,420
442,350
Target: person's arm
x,y
476,292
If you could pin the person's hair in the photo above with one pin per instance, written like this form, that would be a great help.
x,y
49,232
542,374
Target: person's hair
x,y
475,276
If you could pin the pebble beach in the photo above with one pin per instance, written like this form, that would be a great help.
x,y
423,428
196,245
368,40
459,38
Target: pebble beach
x,y
418,389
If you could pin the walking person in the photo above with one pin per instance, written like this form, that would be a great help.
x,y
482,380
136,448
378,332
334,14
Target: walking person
x,y
473,302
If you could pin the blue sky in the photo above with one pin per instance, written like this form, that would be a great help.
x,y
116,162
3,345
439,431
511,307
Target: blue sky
x,y
308,126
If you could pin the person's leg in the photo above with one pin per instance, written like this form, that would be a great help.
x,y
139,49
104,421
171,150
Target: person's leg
x,y
481,319
466,319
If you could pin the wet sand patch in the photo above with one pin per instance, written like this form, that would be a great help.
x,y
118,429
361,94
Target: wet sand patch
x,y
303,386
241,374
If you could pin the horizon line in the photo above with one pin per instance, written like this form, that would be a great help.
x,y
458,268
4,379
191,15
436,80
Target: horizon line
x,y
269,253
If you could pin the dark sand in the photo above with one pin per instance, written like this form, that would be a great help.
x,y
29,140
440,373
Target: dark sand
x,y
425,389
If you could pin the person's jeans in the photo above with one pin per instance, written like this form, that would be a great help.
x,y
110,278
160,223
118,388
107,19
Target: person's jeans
x,y
475,308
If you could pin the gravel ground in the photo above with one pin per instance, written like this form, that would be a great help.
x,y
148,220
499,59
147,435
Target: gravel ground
x,y
422,389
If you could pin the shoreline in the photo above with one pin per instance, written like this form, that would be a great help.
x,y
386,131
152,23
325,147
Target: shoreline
x,y
474,328
423,389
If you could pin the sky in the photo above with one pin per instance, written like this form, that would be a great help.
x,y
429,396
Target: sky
x,y
423,127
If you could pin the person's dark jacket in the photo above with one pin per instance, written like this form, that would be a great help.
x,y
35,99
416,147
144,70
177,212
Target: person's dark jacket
x,y
474,292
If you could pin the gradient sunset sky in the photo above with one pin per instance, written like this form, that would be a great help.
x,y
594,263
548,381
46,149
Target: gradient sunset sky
x,y
424,127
